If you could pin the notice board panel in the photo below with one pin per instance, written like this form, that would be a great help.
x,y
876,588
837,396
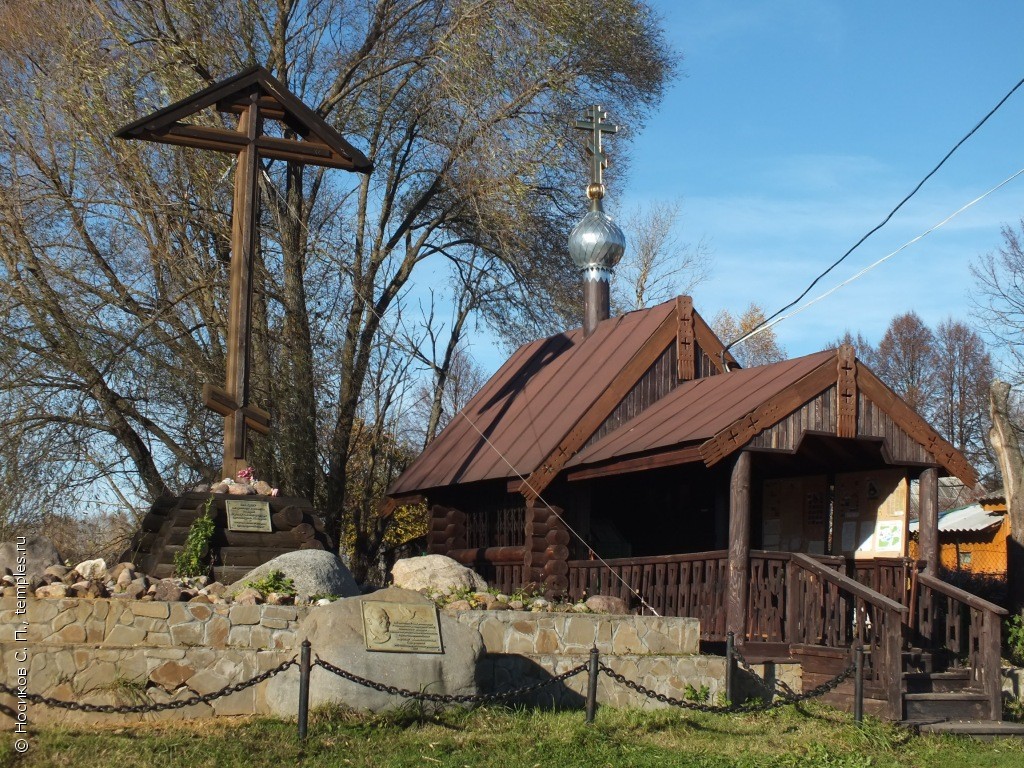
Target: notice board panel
x,y
871,514
795,515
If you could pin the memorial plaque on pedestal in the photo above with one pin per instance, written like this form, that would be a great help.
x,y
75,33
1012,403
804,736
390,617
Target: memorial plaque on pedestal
x,y
401,627
248,515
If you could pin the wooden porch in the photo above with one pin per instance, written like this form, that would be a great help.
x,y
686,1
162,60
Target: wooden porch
x,y
920,634
932,651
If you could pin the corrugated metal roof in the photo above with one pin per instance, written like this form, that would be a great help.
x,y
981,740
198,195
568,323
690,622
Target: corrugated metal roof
x,y
998,496
530,404
966,519
699,409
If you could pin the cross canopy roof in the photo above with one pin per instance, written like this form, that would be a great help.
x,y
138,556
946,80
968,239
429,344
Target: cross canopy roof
x,y
319,143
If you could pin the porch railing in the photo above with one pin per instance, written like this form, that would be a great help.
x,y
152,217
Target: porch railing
x,y
501,567
890,576
956,622
800,600
767,593
673,585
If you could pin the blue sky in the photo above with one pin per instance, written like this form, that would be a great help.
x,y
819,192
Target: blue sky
x,y
796,127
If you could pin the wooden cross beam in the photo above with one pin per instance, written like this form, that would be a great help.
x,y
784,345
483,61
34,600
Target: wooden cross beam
x,y
255,96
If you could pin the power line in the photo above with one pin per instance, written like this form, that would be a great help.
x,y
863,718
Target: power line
x,y
769,324
554,512
881,224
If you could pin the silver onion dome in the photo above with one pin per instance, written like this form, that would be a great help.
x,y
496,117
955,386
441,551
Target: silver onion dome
x,y
596,244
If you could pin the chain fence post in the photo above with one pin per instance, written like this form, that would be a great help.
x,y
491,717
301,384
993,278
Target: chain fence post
x,y
730,664
858,683
304,670
592,685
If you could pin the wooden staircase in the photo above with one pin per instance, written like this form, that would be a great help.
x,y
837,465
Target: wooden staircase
x,y
931,649
949,701
930,697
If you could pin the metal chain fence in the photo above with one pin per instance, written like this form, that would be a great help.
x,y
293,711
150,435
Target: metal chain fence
x,y
777,697
442,698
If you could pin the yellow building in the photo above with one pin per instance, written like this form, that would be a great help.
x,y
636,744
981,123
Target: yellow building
x,y
972,539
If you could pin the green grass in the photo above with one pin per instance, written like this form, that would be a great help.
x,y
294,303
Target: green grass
x,y
809,735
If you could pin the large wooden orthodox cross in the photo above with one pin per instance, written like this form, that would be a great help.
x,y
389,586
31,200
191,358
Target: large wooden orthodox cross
x,y
255,96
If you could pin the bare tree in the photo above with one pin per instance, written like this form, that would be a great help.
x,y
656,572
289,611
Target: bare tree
x,y
113,255
762,348
999,300
657,264
1005,439
905,360
963,375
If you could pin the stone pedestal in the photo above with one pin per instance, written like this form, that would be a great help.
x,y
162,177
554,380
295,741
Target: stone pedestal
x,y
232,553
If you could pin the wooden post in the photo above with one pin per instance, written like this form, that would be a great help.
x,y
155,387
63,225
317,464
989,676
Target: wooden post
x,y
892,638
928,525
739,547
990,664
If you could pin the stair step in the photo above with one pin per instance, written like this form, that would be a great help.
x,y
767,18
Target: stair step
x,y
978,729
937,682
918,660
963,705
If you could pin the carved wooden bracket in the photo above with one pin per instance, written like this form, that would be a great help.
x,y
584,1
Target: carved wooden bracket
x,y
846,392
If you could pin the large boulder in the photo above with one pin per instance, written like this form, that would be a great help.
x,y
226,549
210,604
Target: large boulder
x,y
335,633
314,571
435,573
39,554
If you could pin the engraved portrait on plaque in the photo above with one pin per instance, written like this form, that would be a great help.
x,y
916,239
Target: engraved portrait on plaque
x,y
401,627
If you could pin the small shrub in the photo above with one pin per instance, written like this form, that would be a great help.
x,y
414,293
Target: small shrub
x,y
1014,633
192,559
275,581
1013,710
697,695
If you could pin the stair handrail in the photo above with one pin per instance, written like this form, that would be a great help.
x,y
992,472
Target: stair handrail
x,y
989,675
886,656
852,586
962,595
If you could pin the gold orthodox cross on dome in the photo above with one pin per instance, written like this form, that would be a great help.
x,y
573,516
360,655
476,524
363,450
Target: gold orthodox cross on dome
x,y
596,121
255,97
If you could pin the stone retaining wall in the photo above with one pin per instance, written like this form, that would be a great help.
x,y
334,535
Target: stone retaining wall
x,y
134,652
119,652
660,653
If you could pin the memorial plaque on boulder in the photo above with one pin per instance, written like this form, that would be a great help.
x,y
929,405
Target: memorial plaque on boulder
x,y
401,627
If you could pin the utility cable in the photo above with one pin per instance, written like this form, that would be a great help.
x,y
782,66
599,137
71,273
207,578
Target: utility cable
x,y
881,224
769,324
552,510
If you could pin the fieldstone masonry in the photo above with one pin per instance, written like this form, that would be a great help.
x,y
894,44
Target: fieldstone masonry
x,y
133,652
660,653
118,651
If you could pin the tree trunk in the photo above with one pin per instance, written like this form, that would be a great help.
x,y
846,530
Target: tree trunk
x,y
298,412
1011,464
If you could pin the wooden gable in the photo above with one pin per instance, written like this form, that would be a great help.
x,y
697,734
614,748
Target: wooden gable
x,y
683,348
842,398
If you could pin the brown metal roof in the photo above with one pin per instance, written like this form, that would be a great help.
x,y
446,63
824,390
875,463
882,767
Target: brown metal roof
x,y
530,404
551,394
699,409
